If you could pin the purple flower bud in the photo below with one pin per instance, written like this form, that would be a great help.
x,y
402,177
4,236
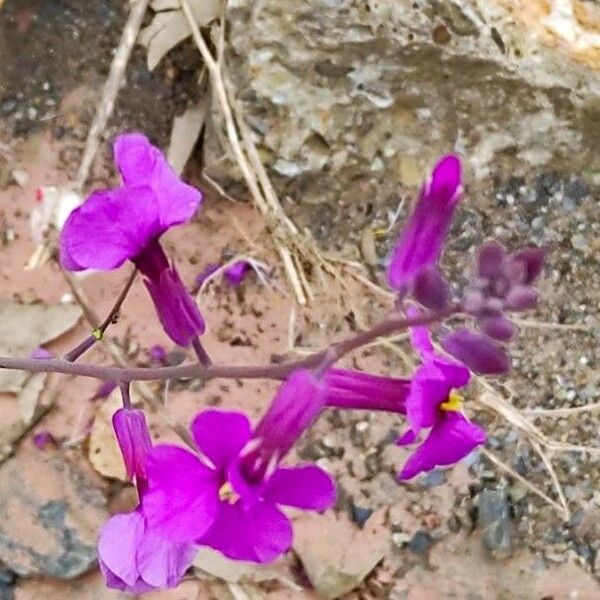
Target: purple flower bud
x,y
477,351
490,260
532,260
206,273
430,289
521,297
497,327
134,440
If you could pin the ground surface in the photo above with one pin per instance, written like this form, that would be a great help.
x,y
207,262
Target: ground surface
x,y
426,536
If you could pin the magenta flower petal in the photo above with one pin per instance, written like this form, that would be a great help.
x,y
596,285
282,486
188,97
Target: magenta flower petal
x,y
420,243
162,564
42,438
479,352
99,234
221,435
307,487
450,440
177,310
181,501
431,289
532,262
134,440
428,390
296,405
141,163
237,272
134,559
117,548
260,534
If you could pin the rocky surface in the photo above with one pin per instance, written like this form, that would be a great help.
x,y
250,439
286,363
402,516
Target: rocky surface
x,y
50,514
349,99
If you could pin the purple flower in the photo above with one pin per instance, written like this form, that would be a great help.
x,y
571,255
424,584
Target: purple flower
x,y
413,266
433,402
104,390
41,354
158,354
229,498
134,556
125,223
363,391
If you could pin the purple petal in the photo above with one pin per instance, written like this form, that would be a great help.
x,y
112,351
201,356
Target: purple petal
x,y
419,335
260,534
237,272
41,354
364,391
497,327
109,228
177,310
449,440
117,546
295,407
162,564
520,298
477,351
221,435
532,261
490,260
430,289
42,438
134,440
141,163
428,390
308,487
420,244
158,353
181,501
206,273
408,437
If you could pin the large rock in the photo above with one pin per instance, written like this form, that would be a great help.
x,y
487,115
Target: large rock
x,y
347,99
50,514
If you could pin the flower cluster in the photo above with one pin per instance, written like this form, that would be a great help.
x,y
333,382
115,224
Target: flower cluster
x,y
227,492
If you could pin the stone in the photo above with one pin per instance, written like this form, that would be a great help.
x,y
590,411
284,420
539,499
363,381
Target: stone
x,y
51,511
349,554
343,95
420,542
494,522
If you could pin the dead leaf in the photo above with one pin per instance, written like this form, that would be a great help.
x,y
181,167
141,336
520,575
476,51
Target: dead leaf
x,y
24,327
158,5
104,453
184,135
170,27
21,177
29,396
54,205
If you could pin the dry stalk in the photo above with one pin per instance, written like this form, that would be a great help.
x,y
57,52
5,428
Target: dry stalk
x,y
111,88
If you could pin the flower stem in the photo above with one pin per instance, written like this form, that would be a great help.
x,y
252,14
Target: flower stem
x,y
124,387
203,357
320,360
98,333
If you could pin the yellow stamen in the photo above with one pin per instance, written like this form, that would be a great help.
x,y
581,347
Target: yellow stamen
x,y
227,494
454,402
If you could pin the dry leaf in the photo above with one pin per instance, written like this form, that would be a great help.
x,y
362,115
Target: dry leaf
x,y
104,453
54,205
29,396
185,133
170,27
25,327
158,5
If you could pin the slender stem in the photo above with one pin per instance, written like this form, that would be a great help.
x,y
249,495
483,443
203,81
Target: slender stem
x,y
190,371
124,387
203,357
99,331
